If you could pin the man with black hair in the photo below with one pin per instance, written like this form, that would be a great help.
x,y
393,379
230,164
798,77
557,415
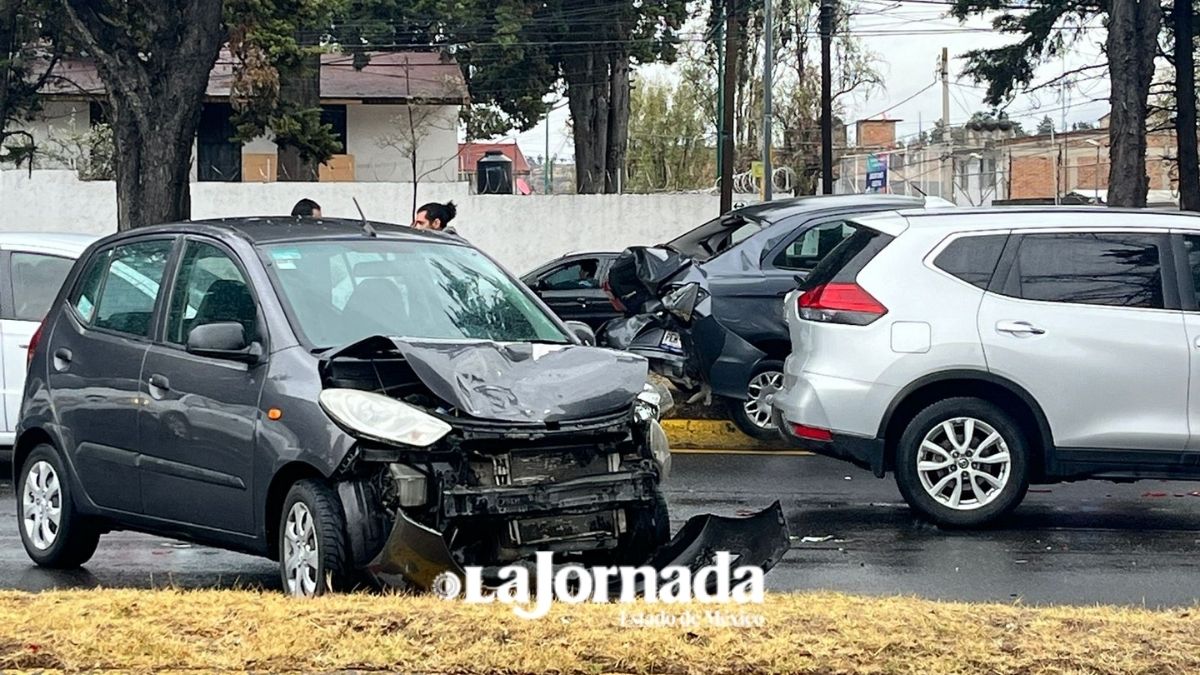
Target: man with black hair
x,y
435,216
306,208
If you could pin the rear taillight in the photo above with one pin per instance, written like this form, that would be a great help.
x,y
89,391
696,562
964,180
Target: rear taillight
x,y
33,343
811,433
612,297
840,303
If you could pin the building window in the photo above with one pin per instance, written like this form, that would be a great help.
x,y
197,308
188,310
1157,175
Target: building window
x,y
218,155
335,116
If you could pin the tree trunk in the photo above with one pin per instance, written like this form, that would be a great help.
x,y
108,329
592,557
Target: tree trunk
x,y
1185,101
587,93
1131,45
155,91
618,125
300,90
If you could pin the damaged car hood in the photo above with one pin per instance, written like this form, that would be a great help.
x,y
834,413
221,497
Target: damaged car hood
x,y
516,381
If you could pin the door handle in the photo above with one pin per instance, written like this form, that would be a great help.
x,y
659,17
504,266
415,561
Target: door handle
x,y
62,359
1018,328
159,382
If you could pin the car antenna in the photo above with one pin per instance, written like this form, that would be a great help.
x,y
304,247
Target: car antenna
x,y
368,229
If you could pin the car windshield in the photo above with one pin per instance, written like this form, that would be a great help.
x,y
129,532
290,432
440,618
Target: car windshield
x,y
342,291
715,237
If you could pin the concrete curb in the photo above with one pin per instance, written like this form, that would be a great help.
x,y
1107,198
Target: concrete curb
x,y
715,435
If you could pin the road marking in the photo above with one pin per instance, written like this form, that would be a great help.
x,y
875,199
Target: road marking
x,y
738,451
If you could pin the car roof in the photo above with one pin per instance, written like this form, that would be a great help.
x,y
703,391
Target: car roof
x,y
780,208
1026,217
70,242
277,229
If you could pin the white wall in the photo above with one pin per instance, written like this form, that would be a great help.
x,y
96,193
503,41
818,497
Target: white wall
x,y
521,232
370,129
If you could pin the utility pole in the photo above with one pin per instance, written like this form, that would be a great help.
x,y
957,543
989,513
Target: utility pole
x,y
721,96
826,20
727,96
947,163
768,83
546,161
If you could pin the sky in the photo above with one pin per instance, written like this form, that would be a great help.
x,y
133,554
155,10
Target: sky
x,y
907,36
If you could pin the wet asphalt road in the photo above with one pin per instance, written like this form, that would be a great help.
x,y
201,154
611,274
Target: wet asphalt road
x,y
1083,543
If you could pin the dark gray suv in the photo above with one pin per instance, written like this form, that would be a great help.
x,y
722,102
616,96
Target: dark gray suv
x,y
344,397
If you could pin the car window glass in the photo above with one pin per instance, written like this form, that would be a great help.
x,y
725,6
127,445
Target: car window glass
x,y
125,302
972,259
84,298
579,274
36,278
1090,268
1191,244
804,252
208,289
343,291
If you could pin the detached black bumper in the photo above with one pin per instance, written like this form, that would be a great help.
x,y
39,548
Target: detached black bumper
x,y
867,453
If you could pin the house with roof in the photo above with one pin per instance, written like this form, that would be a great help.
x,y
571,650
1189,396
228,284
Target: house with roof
x,y
398,104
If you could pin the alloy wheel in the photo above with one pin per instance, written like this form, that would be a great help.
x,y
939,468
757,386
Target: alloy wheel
x,y
963,463
758,406
41,505
301,552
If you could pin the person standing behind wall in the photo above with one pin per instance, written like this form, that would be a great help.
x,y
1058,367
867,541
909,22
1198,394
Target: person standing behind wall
x,y
437,217
306,208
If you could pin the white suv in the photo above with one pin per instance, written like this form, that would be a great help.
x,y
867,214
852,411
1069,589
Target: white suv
x,y
975,352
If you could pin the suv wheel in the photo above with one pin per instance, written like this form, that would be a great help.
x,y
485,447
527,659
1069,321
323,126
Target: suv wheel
x,y
753,416
53,533
313,554
962,462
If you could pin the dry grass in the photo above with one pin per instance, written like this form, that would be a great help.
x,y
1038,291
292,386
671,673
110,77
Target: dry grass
x,y
804,633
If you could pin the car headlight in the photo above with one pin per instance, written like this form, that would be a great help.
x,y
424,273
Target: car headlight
x,y
381,418
654,402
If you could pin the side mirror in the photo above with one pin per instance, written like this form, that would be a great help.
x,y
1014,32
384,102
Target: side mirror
x,y
582,331
223,340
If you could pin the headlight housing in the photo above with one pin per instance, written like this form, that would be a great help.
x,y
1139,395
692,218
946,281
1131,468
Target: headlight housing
x,y
654,402
381,418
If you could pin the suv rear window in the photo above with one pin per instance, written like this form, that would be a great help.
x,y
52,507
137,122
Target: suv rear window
x,y
848,258
972,259
1116,269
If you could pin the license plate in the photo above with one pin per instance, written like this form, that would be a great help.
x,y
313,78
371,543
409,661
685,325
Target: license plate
x,y
671,341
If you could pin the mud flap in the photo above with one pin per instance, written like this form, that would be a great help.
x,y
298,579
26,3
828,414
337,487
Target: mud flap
x,y
760,539
414,555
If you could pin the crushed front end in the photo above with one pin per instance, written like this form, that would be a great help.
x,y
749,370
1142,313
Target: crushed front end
x,y
528,451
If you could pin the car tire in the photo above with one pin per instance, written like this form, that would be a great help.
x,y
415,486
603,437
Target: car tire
x,y
945,451
753,416
43,494
314,557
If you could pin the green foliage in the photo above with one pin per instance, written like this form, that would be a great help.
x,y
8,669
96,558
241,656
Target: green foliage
x,y
1045,126
31,38
1047,28
671,145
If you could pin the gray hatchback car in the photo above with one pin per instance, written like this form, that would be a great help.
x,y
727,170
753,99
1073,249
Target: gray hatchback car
x,y
356,400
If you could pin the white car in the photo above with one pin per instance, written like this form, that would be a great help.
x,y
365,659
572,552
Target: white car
x,y
972,353
33,266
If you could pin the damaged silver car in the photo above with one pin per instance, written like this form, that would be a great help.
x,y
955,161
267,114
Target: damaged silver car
x,y
356,400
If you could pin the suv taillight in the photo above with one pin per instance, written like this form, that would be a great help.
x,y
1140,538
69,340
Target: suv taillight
x,y
33,343
840,303
612,297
